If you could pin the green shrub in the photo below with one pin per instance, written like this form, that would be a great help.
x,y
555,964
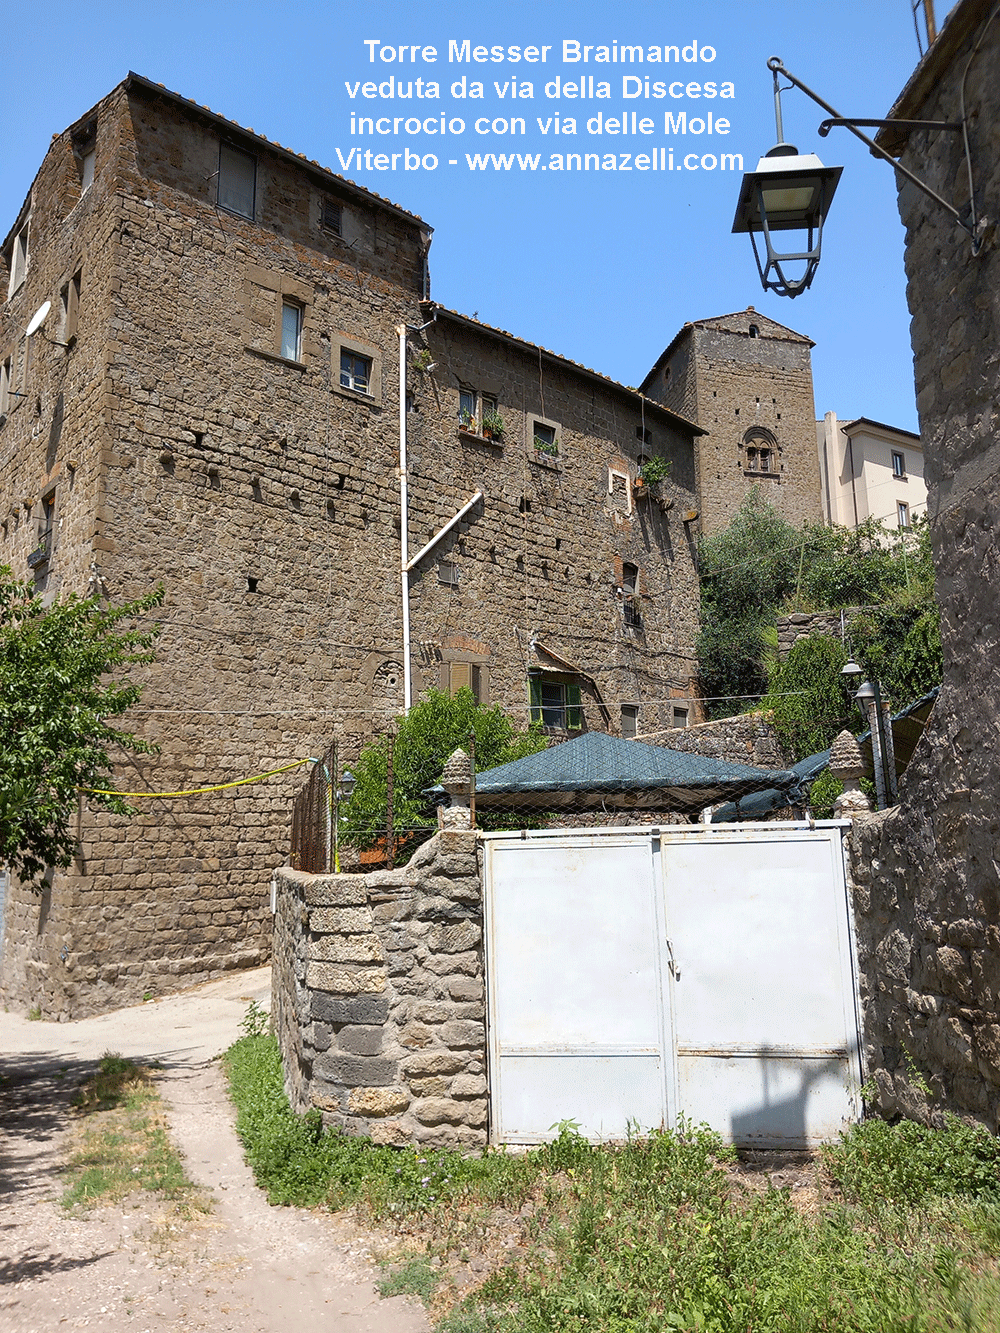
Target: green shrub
x,y
907,1162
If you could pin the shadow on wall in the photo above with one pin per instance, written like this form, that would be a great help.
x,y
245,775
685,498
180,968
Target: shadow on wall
x,y
799,1101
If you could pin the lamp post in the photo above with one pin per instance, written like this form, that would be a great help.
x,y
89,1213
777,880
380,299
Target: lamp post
x,y
869,699
343,793
789,191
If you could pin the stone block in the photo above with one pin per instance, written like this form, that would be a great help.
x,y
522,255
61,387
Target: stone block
x,y
339,980
378,1101
468,1085
440,1111
393,1133
337,891
458,938
360,1040
414,1036
354,1071
340,920
346,949
425,1063
463,1035
336,1009
464,988
429,1087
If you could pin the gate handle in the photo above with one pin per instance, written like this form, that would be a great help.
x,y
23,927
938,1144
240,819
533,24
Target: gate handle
x,y
675,971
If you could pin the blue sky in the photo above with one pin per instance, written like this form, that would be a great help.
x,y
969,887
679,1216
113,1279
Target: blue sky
x,y
603,267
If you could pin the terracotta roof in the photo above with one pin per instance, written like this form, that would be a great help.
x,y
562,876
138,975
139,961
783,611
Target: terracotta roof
x,y
492,331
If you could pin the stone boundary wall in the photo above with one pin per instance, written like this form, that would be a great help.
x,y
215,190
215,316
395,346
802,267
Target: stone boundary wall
x,y
928,981
378,996
804,624
748,738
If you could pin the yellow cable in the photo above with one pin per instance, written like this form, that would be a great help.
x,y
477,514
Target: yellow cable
x,y
197,791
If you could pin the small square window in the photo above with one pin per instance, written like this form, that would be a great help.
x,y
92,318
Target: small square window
x,y
355,372
448,573
332,218
291,331
630,721
898,464
545,439
680,718
903,514
237,180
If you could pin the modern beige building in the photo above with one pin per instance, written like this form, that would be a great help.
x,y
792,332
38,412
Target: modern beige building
x,y
870,470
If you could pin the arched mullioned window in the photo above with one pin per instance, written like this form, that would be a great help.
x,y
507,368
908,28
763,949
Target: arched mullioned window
x,y
760,450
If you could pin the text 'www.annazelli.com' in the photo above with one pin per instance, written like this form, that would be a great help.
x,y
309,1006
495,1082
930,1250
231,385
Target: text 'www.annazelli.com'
x,y
659,159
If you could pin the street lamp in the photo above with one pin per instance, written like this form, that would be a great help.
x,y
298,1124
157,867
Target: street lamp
x,y
792,191
343,793
789,191
869,700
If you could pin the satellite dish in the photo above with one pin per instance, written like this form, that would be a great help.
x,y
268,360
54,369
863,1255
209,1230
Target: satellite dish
x,y
38,319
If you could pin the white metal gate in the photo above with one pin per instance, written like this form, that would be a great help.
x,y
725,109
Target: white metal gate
x,y
635,975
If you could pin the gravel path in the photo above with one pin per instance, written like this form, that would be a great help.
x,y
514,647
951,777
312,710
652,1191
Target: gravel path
x,y
138,1266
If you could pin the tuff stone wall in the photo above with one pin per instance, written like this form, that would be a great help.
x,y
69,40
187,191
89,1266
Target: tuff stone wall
x,y
749,738
929,870
378,997
803,624
181,447
749,391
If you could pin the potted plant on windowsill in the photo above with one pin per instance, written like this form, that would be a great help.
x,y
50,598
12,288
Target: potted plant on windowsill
x,y
467,422
547,448
492,426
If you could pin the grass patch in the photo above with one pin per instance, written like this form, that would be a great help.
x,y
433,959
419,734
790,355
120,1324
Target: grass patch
x,y
660,1233
123,1144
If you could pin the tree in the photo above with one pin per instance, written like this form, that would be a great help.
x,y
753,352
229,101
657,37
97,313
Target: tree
x,y
810,701
55,701
432,730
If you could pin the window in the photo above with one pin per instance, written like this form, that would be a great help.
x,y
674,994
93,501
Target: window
x,y
468,409
630,588
448,573
355,372
545,439
680,718
291,331
754,331
237,181
71,307
765,460
465,676
332,217
556,703
5,387
87,170
751,460
898,464
18,261
646,436
630,721
903,514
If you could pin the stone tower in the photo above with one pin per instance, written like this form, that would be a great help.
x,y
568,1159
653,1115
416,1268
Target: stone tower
x,y
747,381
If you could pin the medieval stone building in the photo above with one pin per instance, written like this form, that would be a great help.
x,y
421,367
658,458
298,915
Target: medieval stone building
x,y
929,870
212,403
747,381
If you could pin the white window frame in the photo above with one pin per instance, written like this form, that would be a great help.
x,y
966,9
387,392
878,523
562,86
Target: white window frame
x,y
18,261
293,308
903,514
898,454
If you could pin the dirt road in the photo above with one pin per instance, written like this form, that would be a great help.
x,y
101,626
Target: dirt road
x,y
137,1266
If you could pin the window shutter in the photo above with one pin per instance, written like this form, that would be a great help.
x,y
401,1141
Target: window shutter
x,y
574,710
535,695
461,677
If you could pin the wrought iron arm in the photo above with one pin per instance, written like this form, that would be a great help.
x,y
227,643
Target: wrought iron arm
x,y
776,68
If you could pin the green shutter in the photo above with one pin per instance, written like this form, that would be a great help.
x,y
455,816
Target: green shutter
x,y
574,710
535,697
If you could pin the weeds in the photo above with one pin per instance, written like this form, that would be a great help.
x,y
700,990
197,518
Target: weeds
x,y
125,1146
658,1233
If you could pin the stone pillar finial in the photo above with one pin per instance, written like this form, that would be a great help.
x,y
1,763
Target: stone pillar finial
x,y
457,782
847,765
